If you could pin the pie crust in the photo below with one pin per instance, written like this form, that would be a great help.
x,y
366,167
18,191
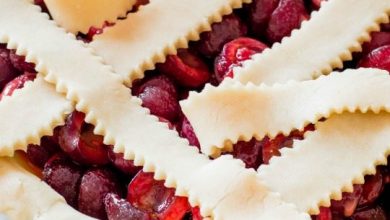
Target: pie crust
x,y
172,158
222,188
270,110
307,54
79,15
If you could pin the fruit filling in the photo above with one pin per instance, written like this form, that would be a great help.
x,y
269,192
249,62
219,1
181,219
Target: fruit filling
x,y
100,183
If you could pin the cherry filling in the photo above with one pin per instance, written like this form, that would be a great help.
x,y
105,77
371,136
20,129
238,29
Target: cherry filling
x,y
101,183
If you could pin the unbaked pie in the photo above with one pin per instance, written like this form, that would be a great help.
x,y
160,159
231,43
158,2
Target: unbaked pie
x,y
181,109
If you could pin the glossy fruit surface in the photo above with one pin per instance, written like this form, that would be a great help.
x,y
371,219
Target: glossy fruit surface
x,y
64,177
77,139
120,209
186,69
95,185
150,195
234,54
229,29
287,16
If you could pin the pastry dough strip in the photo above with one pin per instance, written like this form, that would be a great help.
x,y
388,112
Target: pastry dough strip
x,y
79,15
307,54
187,18
16,182
109,106
329,160
31,112
217,114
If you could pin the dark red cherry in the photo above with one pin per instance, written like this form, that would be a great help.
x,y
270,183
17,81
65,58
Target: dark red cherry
x,y
349,202
121,209
195,212
77,139
17,83
152,196
378,39
230,28
64,177
376,213
95,185
126,166
7,71
186,69
271,147
249,152
372,188
317,3
287,16
19,62
160,103
259,14
378,58
160,81
234,54
187,131
325,214
40,154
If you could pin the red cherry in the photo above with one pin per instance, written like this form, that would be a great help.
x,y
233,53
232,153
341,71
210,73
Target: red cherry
x,y
120,209
94,186
17,83
287,16
271,147
160,81
19,62
126,166
7,71
152,196
378,58
160,103
378,39
63,176
249,152
186,69
375,213
325,214
372,188
196,214
234,54
187,131
230,28
347,205
76,138
317,3
259,14
37,153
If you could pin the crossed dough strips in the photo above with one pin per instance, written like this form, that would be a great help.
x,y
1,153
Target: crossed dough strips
x,y
79,15
223,188
278,68
344,24
329,160
18,183
229,200
217,113
150,49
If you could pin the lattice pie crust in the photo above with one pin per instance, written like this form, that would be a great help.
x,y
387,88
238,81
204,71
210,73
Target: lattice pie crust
x,y
74,75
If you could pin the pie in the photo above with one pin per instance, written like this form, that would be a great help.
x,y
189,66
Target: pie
x,y
181,109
